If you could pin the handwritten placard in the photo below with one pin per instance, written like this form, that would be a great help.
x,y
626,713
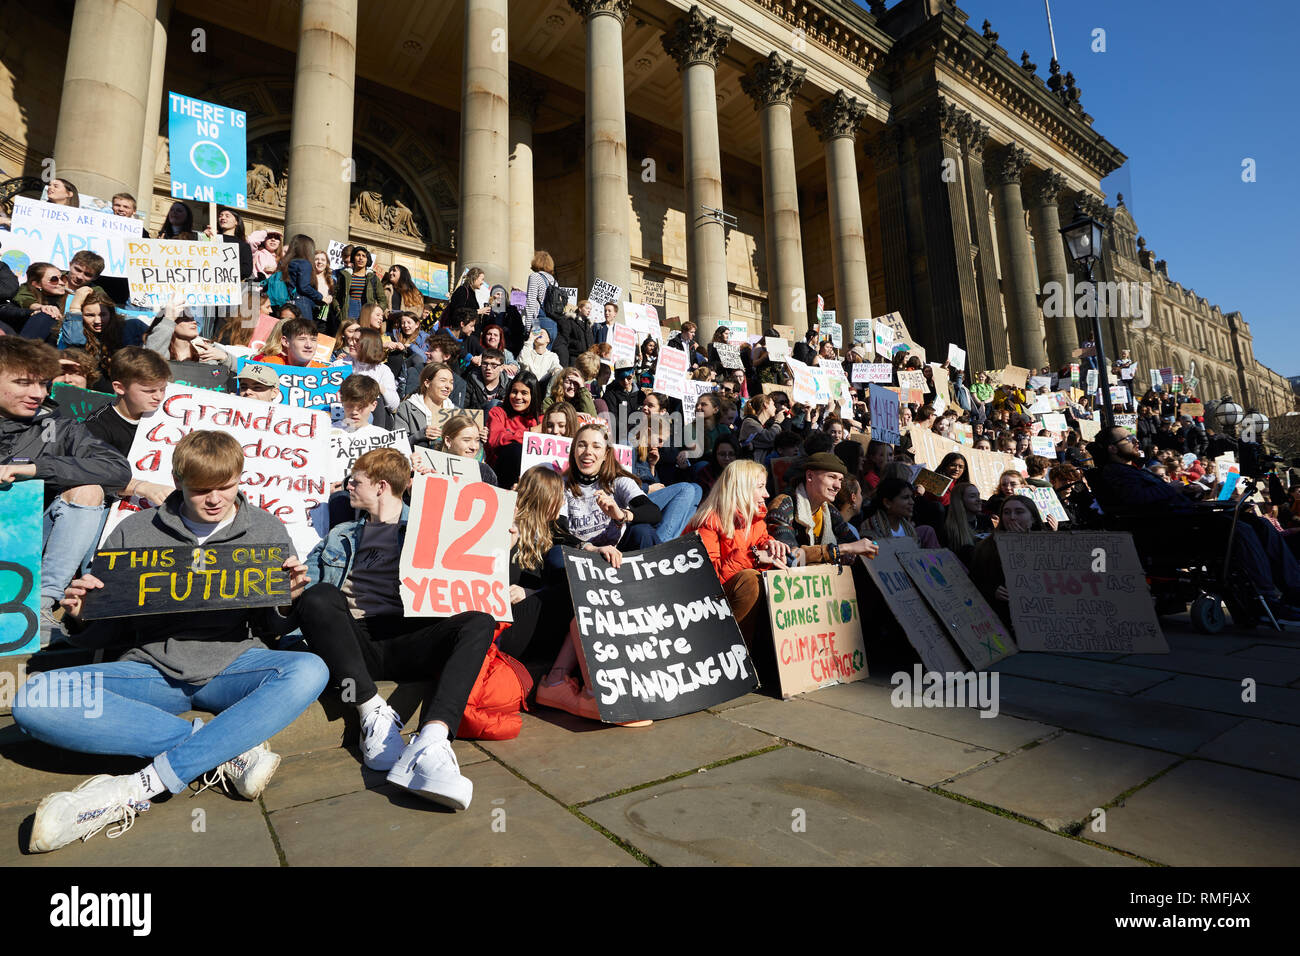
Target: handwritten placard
x,y
602,292
670,373
22,503
817,627
883,406
971,623
200,273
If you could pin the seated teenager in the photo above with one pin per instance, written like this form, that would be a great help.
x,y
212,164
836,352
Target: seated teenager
x,y
433,394
259,383
174,662
1017,514
100,333
487,384
890,514
462,436
603,504
297,346
139,380
806,519
561,419
567,385
75,466
352,617
507,423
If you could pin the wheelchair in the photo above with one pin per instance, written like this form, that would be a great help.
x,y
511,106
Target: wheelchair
x,y
1188,561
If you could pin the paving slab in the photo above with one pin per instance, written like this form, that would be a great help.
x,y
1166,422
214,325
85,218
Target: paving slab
x,y
390,827
1000,733
748,813
1061,781
1270,652
304,778
1226,666
1279,704
30,769
577,760
1078,672
232,832
1134,720
1259,745
900,751
1225,643
1206,814
740,701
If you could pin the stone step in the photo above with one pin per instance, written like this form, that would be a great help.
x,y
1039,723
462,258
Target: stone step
x,y
33,769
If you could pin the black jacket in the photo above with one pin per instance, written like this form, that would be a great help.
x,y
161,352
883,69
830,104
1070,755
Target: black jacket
x,y
573,338
65,453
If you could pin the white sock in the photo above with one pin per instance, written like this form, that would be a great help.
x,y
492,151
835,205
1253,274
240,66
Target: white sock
x,y
434,733
368,707
148,783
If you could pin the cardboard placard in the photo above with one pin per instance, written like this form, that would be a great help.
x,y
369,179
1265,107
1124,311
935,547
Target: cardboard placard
x,y
985,466
540,449
213,377
77,403
884,407
427,461
1055,422
728,355
778,349
145,580
932,482
22,504
817,627
1042,445
54,234
623,340
1058,603
456,556
208,151
693,392
786,332
1088,428
863,334
941,390
923,632
1015,376
602,292
202,273
347,447
441,416
771,388
306,387
1039,381
958,605
335,253
1127,420
652,291
670,373
957,357
657,632
1192,409
1047,501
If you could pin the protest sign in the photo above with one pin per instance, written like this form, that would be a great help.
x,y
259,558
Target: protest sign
x,y
428,461
1129,421
944,584
432,279
658,634
884,339
1167,376
1042,404
693,392
456,555
1074,374
821,305
778,349
879,372
1055,422
1043,445
771,388
737,330
1230,482
286,452
262,331
932,482
54,234
923,632
652,291
623,341
1015,376
883,405
1127,372
728,355
939,375
963,433
335,253
862,333
207,149
23,504
441,416
805,389
821,385
1047,501
786,332
957,357
306,387
602,292
518,299
1060,603
985,466
816,626
1118,395
540,449
347,447
152,580
1225,465
1088,428
1192,409
644,319
1092,380
77,403
834,331
201,273
670,373
570,294
215,378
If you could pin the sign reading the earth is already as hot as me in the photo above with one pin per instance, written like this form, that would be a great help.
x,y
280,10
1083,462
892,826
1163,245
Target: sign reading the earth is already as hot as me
x,y
208,151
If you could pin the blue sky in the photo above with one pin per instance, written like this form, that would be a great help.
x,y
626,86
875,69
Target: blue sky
x,y
1187,90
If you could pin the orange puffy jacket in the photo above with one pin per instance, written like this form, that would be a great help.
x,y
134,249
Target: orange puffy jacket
x,y
731,555
502,687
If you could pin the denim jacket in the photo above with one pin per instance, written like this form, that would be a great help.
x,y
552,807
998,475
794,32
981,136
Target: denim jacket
x,y
331,560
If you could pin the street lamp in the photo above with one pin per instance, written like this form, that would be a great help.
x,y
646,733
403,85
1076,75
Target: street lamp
x,y
1083,239
1227,413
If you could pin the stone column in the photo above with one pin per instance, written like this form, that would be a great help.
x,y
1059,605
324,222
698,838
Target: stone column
x,y
320,141
609,252
525,97
893,223
1062,333
105,96
772,84
483,239
153,109
1024,317
836,120
994,324
695,42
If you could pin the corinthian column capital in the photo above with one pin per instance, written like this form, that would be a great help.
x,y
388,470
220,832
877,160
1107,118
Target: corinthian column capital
x,y
591,8
1046,189
836,116
773,81
1005,165
696,38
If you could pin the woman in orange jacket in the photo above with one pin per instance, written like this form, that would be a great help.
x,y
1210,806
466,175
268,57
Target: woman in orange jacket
x,y
739,544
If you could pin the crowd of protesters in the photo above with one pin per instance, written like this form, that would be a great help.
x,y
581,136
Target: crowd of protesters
x,y
766,481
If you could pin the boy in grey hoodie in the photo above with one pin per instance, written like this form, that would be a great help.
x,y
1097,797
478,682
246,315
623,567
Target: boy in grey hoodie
x,y
216,660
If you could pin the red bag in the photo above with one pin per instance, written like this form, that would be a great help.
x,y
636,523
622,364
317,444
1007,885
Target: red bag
x,y
492,712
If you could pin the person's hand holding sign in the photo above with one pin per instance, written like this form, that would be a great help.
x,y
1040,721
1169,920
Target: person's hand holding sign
x,y
298,577
73,594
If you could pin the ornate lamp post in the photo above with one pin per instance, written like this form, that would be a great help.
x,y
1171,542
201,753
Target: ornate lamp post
x,y
1083,239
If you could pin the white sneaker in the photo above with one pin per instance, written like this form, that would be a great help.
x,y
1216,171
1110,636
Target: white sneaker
x,y
79,814
249,773
381,738
433,773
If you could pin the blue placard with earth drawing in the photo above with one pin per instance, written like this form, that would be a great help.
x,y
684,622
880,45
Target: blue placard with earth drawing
x,y
208,149
21,506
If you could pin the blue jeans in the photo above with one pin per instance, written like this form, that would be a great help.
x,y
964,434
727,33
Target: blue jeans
x,y
70,534
130,708
677,502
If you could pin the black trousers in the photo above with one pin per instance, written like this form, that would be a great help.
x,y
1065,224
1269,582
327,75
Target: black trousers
x,y
449,651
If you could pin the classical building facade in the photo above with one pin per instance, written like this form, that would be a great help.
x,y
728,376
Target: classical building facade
x,y
748,154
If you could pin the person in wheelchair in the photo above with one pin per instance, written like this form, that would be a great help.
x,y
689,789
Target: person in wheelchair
x,y
1257,548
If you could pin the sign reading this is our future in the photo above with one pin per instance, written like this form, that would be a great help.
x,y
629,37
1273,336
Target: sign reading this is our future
x,y
207,146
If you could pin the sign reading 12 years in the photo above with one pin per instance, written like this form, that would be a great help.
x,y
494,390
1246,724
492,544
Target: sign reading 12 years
x,y
658,634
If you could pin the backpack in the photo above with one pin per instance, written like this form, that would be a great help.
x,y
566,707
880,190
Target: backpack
x,y
554,301
276,290
492,711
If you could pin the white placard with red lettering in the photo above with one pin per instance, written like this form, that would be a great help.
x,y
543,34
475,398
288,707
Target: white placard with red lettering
x,y
456,556
623,340
553,450
670,373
